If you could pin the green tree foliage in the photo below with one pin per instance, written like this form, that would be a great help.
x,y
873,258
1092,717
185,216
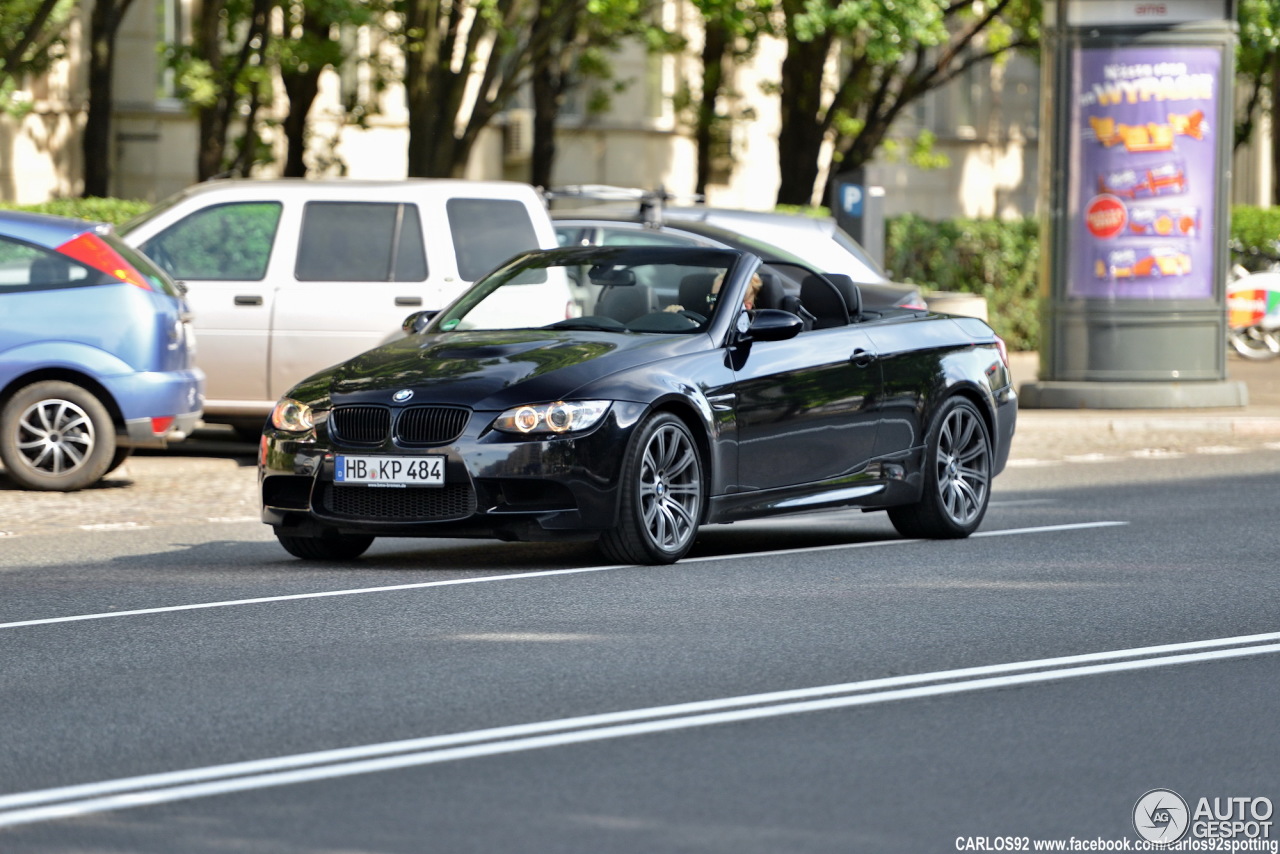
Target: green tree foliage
x,y
311,42
240,51
887,55
31,39
1258,73
223,75
1256,60
465,62
448,48
573,42
996,259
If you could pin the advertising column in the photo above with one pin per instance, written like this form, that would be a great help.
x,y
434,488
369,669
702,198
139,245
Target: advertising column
x,y
1134,190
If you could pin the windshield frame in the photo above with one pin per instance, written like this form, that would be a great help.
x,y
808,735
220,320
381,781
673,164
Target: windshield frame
x,y
586,258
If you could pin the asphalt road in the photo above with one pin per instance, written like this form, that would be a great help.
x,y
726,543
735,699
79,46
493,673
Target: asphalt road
x,y
811,684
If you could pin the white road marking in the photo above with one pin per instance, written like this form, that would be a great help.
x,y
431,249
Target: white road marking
x,y
514,576
1044,529
70,801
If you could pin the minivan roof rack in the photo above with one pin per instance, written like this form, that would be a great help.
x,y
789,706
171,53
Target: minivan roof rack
x,y
650,201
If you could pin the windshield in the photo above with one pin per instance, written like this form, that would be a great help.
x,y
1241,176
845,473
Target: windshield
x,y
622,289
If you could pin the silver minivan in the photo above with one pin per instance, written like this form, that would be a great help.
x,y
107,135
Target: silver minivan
x,y
286,277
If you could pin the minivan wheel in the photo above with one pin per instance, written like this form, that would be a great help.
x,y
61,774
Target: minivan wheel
x,y
56,436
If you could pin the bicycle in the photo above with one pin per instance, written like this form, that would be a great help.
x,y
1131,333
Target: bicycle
x,y
1253,307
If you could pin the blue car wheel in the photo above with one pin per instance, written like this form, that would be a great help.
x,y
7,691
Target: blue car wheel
x,y
56,436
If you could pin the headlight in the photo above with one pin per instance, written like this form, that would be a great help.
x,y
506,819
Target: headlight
x,y
559,417
292,415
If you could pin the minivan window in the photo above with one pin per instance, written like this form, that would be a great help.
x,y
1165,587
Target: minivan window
x,y
486,232
24,267
361,242
228,242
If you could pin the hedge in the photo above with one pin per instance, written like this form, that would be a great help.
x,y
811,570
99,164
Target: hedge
x,y
1000,259
997,259
114,211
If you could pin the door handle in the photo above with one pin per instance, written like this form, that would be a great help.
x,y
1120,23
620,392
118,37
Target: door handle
x,y
409,301
248,300
862,358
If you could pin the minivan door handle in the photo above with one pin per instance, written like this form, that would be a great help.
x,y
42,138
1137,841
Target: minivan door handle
x,y
248,300
409,301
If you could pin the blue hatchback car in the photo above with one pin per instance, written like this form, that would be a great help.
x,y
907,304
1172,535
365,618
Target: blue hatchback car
x,y
96,353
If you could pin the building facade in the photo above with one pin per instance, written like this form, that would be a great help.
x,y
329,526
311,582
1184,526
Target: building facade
x,y
985,124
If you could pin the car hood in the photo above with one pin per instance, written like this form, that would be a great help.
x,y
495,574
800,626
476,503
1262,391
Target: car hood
x,y
488,370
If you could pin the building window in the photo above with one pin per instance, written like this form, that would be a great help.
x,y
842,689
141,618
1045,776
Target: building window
x,y
171,21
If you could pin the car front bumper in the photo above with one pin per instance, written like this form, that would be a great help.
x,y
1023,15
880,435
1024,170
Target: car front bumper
x,y
496,486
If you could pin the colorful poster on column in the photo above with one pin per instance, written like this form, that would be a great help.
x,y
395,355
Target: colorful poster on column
x,y
1142,191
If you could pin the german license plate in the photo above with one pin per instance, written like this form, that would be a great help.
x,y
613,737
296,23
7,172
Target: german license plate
x,y
388,471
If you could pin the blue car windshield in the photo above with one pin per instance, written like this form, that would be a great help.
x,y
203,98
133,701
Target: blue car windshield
x,y
623,289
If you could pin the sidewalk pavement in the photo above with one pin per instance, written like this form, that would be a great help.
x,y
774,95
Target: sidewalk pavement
x,y
1058,433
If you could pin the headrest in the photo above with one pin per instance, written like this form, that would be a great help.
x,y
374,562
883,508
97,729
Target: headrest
x,y
825,301
694,289
849,290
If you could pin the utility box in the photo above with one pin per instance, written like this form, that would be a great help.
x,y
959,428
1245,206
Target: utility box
x,y
1135,171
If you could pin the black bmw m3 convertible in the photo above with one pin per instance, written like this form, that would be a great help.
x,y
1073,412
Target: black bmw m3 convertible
x,y
630,395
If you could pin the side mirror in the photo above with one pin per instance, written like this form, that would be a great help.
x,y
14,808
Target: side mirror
x,y
771,324
417,323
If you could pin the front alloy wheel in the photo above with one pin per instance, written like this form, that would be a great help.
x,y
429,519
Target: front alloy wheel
x,y
957,477
56,436
661,495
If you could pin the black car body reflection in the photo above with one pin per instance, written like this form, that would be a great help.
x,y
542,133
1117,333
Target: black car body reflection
x,y
628,395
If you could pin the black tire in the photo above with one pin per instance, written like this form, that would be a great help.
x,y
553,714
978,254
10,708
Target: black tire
x,y
56,436
957,476
661,495
248,431
329,547
117,459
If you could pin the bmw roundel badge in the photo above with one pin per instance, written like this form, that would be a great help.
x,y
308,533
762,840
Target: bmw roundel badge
x,y
402,395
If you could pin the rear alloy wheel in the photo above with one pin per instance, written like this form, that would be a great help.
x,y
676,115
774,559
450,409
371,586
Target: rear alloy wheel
x,y
957,477
329,547
660,502
56,436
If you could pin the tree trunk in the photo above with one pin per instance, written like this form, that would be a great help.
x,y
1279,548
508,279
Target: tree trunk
x,y
430,100
546,109
803,120
96,142
213,130
1275,127
715,43
302,89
